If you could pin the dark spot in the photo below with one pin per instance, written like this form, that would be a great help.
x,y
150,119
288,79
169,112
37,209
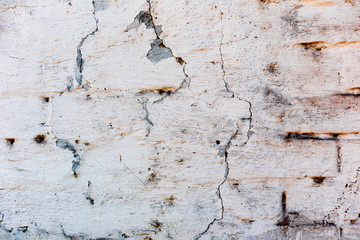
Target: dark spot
x,y
235,184
74,167
156,224
153,178
124,235
46,99
87,144
272,68
313,136
40,139
163,90
146,18
284,219
23,228
91,200
353,221
354,95
10,141
170,200
217,142
316,45
318,180
77,141
180,60
89,183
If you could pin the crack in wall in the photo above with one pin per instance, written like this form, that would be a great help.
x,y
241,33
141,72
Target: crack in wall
x,y
222,63
224,151
146,118
79,59
157,53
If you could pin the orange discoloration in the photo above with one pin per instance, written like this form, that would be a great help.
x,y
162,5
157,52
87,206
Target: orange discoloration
x,y
319,45
353,89
161,90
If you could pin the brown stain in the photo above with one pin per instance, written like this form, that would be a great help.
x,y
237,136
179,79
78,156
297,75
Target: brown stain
x,y
319,45
156,225
268,1
316,45
180,60
353,221
353,89
40,139
284,221
319,179
46,99
332,105
317,136
272,68
168,90
153,178
170,200
245,220
10,141
318,3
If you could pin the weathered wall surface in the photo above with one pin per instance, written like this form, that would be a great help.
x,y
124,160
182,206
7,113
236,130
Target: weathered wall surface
x,y
186,119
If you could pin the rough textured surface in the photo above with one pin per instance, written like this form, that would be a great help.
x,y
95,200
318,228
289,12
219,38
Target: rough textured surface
x,y
184,119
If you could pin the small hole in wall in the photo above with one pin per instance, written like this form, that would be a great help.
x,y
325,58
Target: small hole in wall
x,y
10,141
217,142
180,60
40,138
46,99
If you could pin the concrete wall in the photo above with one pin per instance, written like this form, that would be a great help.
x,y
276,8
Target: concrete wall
x,y
179,119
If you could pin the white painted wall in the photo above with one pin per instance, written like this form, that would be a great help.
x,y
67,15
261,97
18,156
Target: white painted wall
x,y
179,119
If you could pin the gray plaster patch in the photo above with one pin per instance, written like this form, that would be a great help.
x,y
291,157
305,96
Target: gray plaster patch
x,y
158,51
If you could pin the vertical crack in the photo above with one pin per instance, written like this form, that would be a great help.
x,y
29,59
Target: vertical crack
x,y
224,151
146,118
222,57
79,59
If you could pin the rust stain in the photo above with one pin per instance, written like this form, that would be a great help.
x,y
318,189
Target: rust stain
x,y
319,179
167,89
353,89
317,136
180,60
269,1
319,45
318,3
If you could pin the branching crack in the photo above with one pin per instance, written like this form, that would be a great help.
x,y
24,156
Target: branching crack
x,y
79,59
224,151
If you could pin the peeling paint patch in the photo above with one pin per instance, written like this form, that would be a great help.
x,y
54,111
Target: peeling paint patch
x,y
64,144
158,51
